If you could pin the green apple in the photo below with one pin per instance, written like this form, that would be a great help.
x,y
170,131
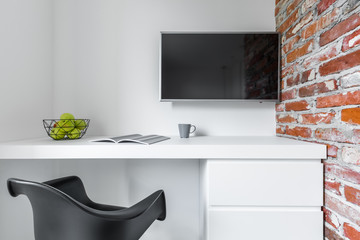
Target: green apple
x,y
66,125
74,134
57,133
80,124
67,116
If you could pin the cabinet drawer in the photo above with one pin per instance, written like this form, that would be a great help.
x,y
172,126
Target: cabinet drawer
x,y
265,183
260,225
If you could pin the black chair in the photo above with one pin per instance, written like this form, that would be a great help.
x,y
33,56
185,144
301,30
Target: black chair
x,y
63,211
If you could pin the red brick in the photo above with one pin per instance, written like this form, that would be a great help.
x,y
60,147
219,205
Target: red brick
x,y
280,17
331,134
340,29
342,173
315,118
341,63
304,20
301,51
307,5
281,3
351,115
287,95
307,76
342,209
309,30
325,54
332,235
331,218
333,187
277,10
280,129
351,41
289,46
297,106
292,81
299,131
342,99
287,71
292,6
352,195
332,150
350,232
285,118
289,21
316,88
323,5
320,24
279,107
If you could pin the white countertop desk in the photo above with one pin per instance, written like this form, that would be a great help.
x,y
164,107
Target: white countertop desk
x,y
204,147
245,183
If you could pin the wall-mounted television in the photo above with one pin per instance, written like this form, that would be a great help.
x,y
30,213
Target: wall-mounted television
x,y
219,66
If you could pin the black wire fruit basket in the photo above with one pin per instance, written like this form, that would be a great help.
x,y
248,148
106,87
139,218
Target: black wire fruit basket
x,y
66,129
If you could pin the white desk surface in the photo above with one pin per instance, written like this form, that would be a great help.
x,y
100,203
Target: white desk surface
x,y
200,147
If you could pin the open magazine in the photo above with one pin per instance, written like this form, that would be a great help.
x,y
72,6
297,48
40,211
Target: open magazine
x,y
134,138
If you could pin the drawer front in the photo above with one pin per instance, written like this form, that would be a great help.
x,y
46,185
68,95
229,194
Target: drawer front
x,y
257,225
265,183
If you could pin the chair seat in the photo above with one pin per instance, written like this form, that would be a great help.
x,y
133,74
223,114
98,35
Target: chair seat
x,y
63,211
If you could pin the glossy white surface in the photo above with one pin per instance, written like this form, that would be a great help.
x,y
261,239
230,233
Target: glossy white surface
x,y
265,183
244,147
262,199
260,225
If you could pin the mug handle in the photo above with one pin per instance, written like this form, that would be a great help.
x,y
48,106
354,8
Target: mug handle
x,y
192,130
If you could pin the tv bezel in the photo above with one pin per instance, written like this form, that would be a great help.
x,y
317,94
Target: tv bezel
x,y
218,99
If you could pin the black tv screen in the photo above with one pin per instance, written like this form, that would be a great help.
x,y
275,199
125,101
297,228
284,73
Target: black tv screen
x,y
219,66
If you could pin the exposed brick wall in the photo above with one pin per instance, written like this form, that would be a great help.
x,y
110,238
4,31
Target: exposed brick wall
x,y
320,92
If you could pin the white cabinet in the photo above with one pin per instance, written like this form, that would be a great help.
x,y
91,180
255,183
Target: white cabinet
x,y
265,224
262,199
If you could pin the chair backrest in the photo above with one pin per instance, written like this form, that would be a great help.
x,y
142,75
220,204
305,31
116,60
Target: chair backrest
x,y
56,215
72,186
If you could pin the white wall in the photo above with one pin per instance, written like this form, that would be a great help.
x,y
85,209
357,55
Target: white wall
x,y
86,62
26,60
179,179
107,56
99,59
